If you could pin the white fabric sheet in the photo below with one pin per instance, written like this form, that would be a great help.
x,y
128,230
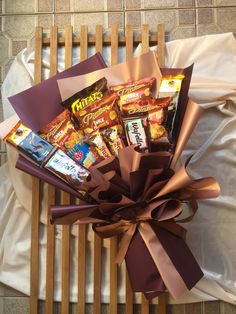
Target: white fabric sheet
x,y
211,235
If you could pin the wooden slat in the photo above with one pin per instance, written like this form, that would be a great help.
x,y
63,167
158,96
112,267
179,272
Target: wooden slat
x,y
97,277
38,55
81,268
82,228
68,46
144,305
50,250
145,38
129,296
129,292
98,38
113,240
53,50
161,44
97,274
129,41
51,199
114,44
84,42
35,216
137,39
34,259
65,272
162,302
65,283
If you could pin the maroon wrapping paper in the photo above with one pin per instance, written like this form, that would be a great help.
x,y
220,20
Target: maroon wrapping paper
x,y
38,105
139,197
41,173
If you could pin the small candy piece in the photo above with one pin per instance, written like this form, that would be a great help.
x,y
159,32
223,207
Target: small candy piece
x,y
67,169
135,131
87,96
61,131
113,136
145,105
83,154
99,115
29,143
95,139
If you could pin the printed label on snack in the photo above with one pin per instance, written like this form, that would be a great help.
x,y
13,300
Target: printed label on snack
x,y
136,132
67,169
87,96
100,115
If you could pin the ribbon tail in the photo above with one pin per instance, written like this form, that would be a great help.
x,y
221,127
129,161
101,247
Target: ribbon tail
x,y
124,243
179,272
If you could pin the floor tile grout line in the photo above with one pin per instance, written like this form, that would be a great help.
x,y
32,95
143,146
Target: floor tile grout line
x,y
195,12
54,12
124,10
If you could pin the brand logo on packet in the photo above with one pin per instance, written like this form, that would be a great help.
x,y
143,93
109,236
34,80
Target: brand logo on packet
x,y
93,115
129,90
81,103
136,133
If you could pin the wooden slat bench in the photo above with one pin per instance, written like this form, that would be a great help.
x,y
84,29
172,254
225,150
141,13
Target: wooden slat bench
x,y
84,40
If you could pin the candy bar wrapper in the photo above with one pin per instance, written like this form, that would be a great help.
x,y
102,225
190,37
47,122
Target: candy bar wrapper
x,y
29,143
139,195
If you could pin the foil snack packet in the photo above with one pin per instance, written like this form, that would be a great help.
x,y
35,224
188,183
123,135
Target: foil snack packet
x,y
87,96
29,143
61,131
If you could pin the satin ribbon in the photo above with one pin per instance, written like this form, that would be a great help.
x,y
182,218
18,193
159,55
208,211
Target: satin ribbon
x,y
127,228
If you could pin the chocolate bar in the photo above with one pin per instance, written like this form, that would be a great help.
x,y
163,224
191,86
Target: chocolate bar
x,y
135,129
67,169
29,143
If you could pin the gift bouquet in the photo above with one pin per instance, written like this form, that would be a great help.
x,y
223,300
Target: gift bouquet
x,y
114,141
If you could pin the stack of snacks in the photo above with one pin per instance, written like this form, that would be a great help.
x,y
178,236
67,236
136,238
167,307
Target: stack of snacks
x,y
97,122
44,154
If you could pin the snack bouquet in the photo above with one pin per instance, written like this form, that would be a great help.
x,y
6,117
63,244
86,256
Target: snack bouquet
x,y
115,144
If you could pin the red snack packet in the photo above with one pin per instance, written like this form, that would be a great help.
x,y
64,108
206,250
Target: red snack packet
x,y
61,132
142,106
130,87
99,115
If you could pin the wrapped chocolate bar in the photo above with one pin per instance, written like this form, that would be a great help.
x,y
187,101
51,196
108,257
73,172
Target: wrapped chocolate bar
x,y
29,143
113,136
61,131
170,87
87,96
136,131
96,140
67,169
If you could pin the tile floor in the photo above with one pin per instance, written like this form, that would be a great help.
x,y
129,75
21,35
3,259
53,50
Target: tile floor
x,y
182,18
